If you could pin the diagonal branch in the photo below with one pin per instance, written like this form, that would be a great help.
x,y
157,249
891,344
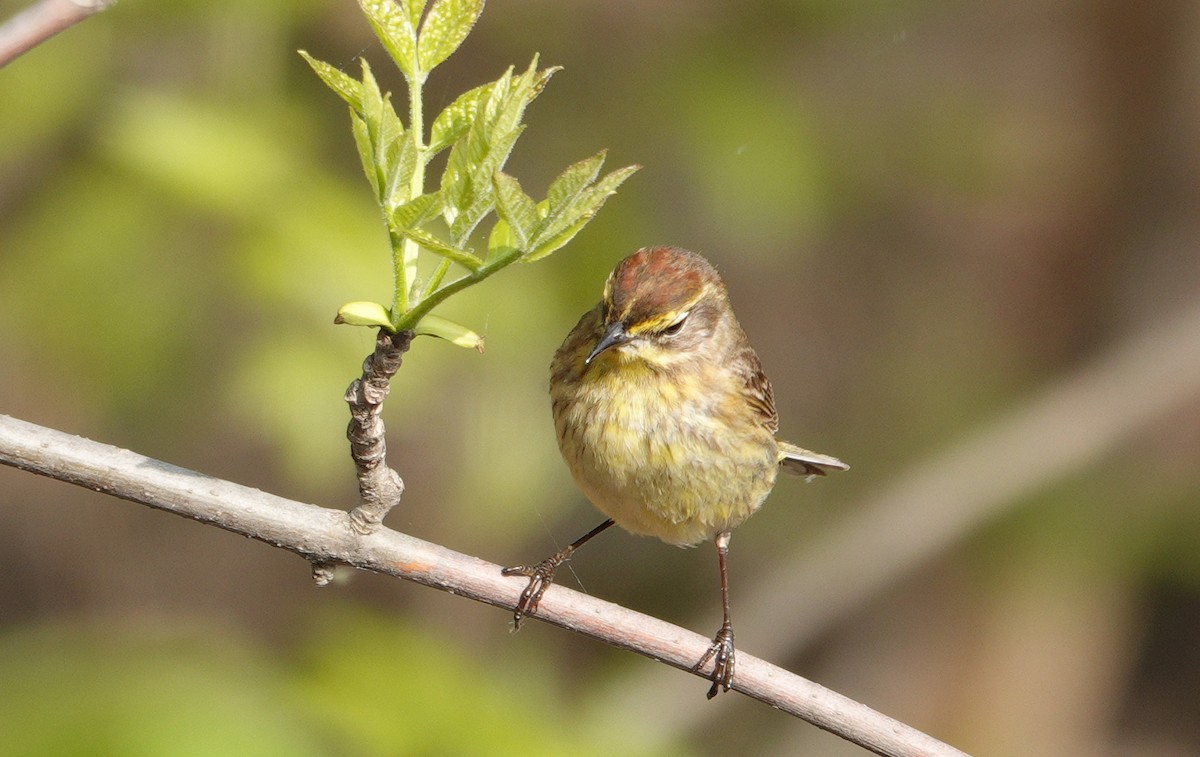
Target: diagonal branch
x,y
41,21
325,536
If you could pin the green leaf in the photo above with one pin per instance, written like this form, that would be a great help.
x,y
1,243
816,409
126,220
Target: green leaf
x,y
467,184
397,31
434,325
366,150
471,149
372,95
558,240
372,113
506,107
456,118
607,186
415,212
485,146
563,223
483,203
515,207
346,86
444,29
501,241
414,9
402,163
433,244
571,181
476,196
391,167
391,129
364,314
481,197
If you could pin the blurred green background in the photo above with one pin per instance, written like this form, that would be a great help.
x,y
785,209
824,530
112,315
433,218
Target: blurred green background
x,y
938,222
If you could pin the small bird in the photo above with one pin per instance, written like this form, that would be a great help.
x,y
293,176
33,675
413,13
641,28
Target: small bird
x,y
666,420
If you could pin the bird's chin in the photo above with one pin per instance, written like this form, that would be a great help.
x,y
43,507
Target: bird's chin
x,y
618,354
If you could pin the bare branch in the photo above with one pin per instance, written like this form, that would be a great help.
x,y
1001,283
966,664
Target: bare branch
x,y
379,486
41,21
325,536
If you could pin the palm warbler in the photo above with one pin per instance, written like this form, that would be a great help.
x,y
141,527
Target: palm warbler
x,y
666,420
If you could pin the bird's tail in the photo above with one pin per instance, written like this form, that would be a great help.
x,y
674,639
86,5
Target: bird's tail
x,y
802,462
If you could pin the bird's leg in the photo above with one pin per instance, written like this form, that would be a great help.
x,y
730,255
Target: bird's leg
x,y
542,574
721,652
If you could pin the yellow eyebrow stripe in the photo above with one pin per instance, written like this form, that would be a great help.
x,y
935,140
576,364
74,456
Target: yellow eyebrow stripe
x,y
660,321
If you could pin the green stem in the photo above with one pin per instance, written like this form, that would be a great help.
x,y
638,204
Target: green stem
x,y
439,273
416,128
400,272
405,252
410,319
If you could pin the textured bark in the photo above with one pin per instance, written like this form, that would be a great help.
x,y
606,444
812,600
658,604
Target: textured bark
x,y
379,486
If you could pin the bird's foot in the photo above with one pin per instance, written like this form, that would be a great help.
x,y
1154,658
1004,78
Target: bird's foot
x,y
722,655
540,578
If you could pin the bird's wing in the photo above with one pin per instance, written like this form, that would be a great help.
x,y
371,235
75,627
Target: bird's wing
x,y
794,460
758,392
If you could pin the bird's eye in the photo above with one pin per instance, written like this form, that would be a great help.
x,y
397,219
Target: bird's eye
x,y
676,326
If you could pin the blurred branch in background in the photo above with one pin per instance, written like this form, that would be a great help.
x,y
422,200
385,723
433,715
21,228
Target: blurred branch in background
x,y
940,501
324,536
41,21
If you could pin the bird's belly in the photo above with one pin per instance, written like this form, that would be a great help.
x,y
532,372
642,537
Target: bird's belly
x,y
661,459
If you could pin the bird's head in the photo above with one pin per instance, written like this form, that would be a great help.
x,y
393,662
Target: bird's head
x,y
659,304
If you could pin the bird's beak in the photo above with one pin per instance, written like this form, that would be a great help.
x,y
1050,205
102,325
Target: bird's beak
x,y
613,335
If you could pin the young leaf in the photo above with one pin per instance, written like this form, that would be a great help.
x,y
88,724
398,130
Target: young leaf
x,y
563,223
396,30
346,86
501,241
515,207
455,120
415,212
433,244
402,162
586,203
494,122
482,203
366,150
414,9
480,128
471,149
571,181
481,193
452,332
444,29
372,112
483,150
364,314
607,186
507,106
467,152
557,240
472,194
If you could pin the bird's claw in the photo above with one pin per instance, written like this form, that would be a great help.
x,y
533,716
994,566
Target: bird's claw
x,y
540,578
722,655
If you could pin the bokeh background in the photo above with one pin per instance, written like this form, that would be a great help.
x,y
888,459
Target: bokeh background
x,y
963,236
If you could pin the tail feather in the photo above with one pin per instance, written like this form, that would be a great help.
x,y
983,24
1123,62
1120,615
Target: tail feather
x,y
801,462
